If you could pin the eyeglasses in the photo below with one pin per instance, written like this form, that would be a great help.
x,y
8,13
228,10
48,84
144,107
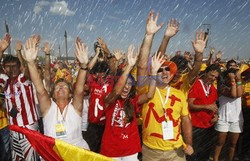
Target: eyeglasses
x,y
161,69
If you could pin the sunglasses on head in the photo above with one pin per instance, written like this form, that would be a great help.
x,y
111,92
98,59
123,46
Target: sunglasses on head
x,y
161,69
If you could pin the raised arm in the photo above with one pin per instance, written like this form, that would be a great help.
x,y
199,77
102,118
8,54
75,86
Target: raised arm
x,y
172,30
47,75
4,44
94,59
81,52
157,61
151,29
111,60
118,88
18,48
104,47
199,45
210,58
29,55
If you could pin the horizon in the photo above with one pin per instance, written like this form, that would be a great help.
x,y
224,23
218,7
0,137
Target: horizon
x,y
121,23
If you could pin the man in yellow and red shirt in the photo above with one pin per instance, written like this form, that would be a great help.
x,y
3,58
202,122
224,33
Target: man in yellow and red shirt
x,y
166,114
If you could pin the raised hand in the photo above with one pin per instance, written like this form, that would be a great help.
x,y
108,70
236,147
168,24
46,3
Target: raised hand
x,y
30,50
151,26
131,59
172,28
103,45
218,55
157,61
4,43
81,52
118,54
18,46
46,49
212,50
200,42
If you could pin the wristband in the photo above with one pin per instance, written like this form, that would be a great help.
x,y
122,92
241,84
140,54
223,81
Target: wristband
x,y
233,83
84,68
239,83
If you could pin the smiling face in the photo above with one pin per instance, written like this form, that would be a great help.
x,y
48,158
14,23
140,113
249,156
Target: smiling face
x,y
211,76
61,91
164,75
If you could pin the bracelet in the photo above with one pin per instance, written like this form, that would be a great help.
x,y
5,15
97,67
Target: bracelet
x,y
239,83
84,68
233,83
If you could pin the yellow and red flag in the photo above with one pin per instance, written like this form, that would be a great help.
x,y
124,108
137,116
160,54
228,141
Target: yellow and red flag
x,y
57,150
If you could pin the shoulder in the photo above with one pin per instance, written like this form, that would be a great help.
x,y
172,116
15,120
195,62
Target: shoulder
x,y
177,91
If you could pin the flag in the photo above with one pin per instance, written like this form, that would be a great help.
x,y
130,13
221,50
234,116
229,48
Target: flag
x,y
52,149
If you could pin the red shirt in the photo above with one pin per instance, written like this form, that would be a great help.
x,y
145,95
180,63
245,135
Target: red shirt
x,y
96,100
202,118
120,138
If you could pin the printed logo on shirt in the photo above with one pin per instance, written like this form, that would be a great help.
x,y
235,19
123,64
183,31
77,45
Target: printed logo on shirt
x,y
118,117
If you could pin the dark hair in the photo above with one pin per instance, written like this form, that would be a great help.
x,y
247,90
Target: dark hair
x,y
11,58
213,67
128,106
58,81
180,61
230,62
100,67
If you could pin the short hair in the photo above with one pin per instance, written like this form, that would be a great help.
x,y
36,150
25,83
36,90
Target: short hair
x,y
230,62
180,61
213,67
58,81
11,58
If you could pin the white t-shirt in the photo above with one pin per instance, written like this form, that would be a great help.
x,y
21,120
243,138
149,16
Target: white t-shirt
x,y
85,111
230,109
71,121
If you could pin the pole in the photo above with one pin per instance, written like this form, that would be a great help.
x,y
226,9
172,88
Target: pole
x,y
7,31
66,45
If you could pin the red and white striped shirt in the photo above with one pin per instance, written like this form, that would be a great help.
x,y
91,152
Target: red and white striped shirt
x,y
19,94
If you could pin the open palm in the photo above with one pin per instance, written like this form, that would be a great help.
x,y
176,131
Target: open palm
x,y
30,50
5,43
81,51
152,27
200,42
173,28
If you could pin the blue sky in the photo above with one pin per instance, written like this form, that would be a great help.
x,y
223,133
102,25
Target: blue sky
x,y
122,22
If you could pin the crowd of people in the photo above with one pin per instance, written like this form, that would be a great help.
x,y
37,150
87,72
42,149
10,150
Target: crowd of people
x,y
134,106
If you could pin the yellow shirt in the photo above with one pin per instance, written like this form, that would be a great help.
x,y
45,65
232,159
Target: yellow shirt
x,y
153,116
247,94
183,84
3,118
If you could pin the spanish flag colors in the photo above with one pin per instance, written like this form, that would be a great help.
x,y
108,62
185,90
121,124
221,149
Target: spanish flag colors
x,y
52,149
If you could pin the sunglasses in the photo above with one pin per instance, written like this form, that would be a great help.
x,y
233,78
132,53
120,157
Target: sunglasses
x,y
161,69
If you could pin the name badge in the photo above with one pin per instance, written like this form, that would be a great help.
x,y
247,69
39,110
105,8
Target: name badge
x,y
167,130
60,130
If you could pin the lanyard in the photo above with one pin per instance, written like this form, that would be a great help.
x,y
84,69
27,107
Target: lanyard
x,y
166,99
206,91
64,115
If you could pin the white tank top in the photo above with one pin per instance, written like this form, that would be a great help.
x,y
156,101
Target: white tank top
x,y
72,123
230,109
